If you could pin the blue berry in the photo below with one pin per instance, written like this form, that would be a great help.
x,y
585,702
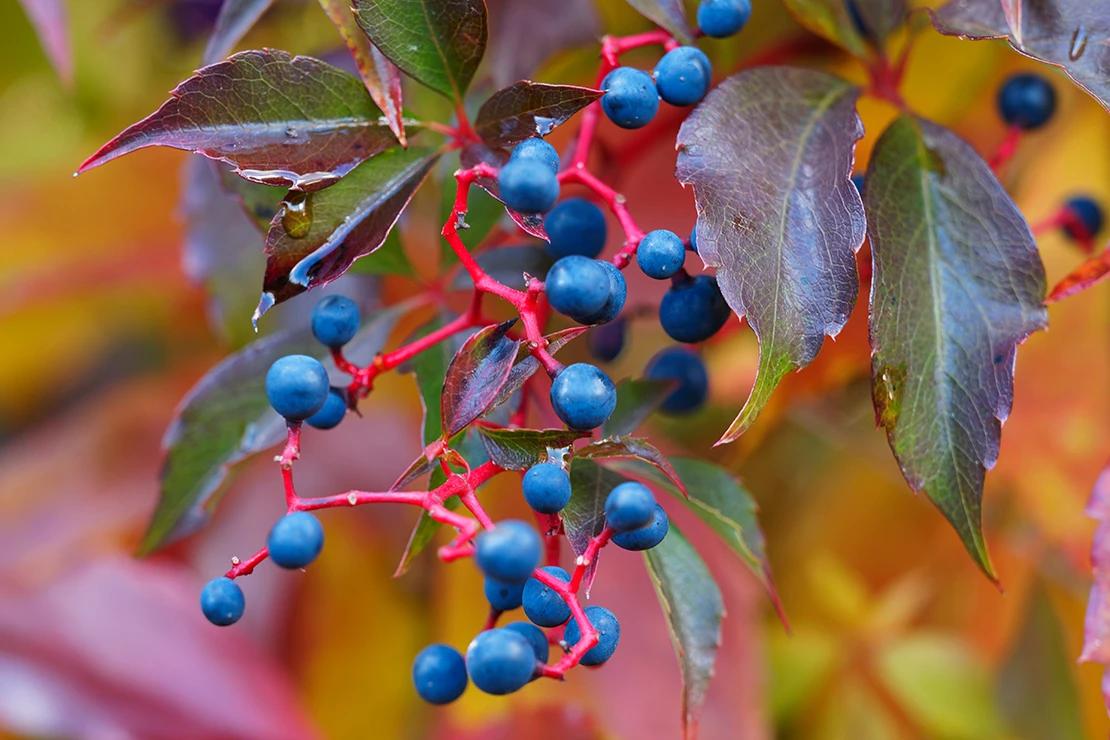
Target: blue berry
x,y
1026,101
857,180
528,186
439,674
685,367
297,386
694,239
629,506
537,150
583,396
693,310
683,75
296,540
222,601
335,408
606,342
660,254
618,293
335,320
575,226
500,661
543,605
509,552
647,537
630,99
721,18
535,636
546,488
578,286
502,596
609,635
1090,216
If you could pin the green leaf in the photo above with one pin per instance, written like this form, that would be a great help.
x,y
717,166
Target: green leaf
x,y
226,419
317,236
693,607
957,284
260,202
528,109
584,515
280,120
508,265
389,259
635,447
830,19
636,401
436,42
769,153
667,14
476,375
235,19
520,449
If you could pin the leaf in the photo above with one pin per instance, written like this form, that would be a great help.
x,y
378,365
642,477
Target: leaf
x,y
520,449
225,419
829,19
260,202
51,23
280,120
881,18
508,266
1096,624
693,607
389,259
476,375
668,14
957,284
235,19
316,236
381,76
439,43
528,109
1070,34
1087,275
636,401
769,153
584,514
429,368
636,447
474,154
524,33
526,365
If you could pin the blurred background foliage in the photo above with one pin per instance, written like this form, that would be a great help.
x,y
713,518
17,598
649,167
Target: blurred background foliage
x,y
895,632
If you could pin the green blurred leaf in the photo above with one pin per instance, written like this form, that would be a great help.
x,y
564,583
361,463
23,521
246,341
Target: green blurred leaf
x,y
636,401
520,449
801,664
389,259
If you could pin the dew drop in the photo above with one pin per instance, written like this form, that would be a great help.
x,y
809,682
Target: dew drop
x,y
296,214
1078,43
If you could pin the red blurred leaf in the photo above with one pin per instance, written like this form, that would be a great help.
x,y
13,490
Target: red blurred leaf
x,y
528,109
1087,275
235,19
51,24
476,375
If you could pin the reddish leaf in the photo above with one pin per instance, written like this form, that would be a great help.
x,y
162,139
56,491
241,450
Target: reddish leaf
x,y
528,109
526,365
635,447
668,14
520,449
51,23
480,153
1087,275
476,376
316,236
381,76
235,19
524,33
280,120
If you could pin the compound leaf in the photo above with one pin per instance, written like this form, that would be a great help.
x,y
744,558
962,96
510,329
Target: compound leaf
x,y
528,109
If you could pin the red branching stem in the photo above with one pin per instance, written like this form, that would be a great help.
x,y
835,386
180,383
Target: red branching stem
x,y
491,620
582,564
292,449
1006,149
358,498
246,567
342,363
617,205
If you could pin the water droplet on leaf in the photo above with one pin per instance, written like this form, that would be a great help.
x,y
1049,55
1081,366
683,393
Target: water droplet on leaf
x,y
296,214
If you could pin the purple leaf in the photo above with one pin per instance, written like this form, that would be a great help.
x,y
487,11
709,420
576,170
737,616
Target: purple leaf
x,y
480,153
51,24
635,447
1070,34
381,76
439,43
280,120
520,449
528,109
526,365
316,236
524,33
769,153
667,14
235,19
476,375
957,284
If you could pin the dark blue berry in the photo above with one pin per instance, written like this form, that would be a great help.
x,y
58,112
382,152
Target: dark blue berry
x,y
546,488
335,408
536,150
439,674
335,320
297,386
685,367
857,180
509,552
296,540
500,661
693,310
583,396
660,254
605,342
647,537
629,506
503,596
618,293
721,18
857,20
1090,217
543,605
222,601
630,99
683,75
535,636
609,635
575,226
528,186
578,286
1026,101
694,239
